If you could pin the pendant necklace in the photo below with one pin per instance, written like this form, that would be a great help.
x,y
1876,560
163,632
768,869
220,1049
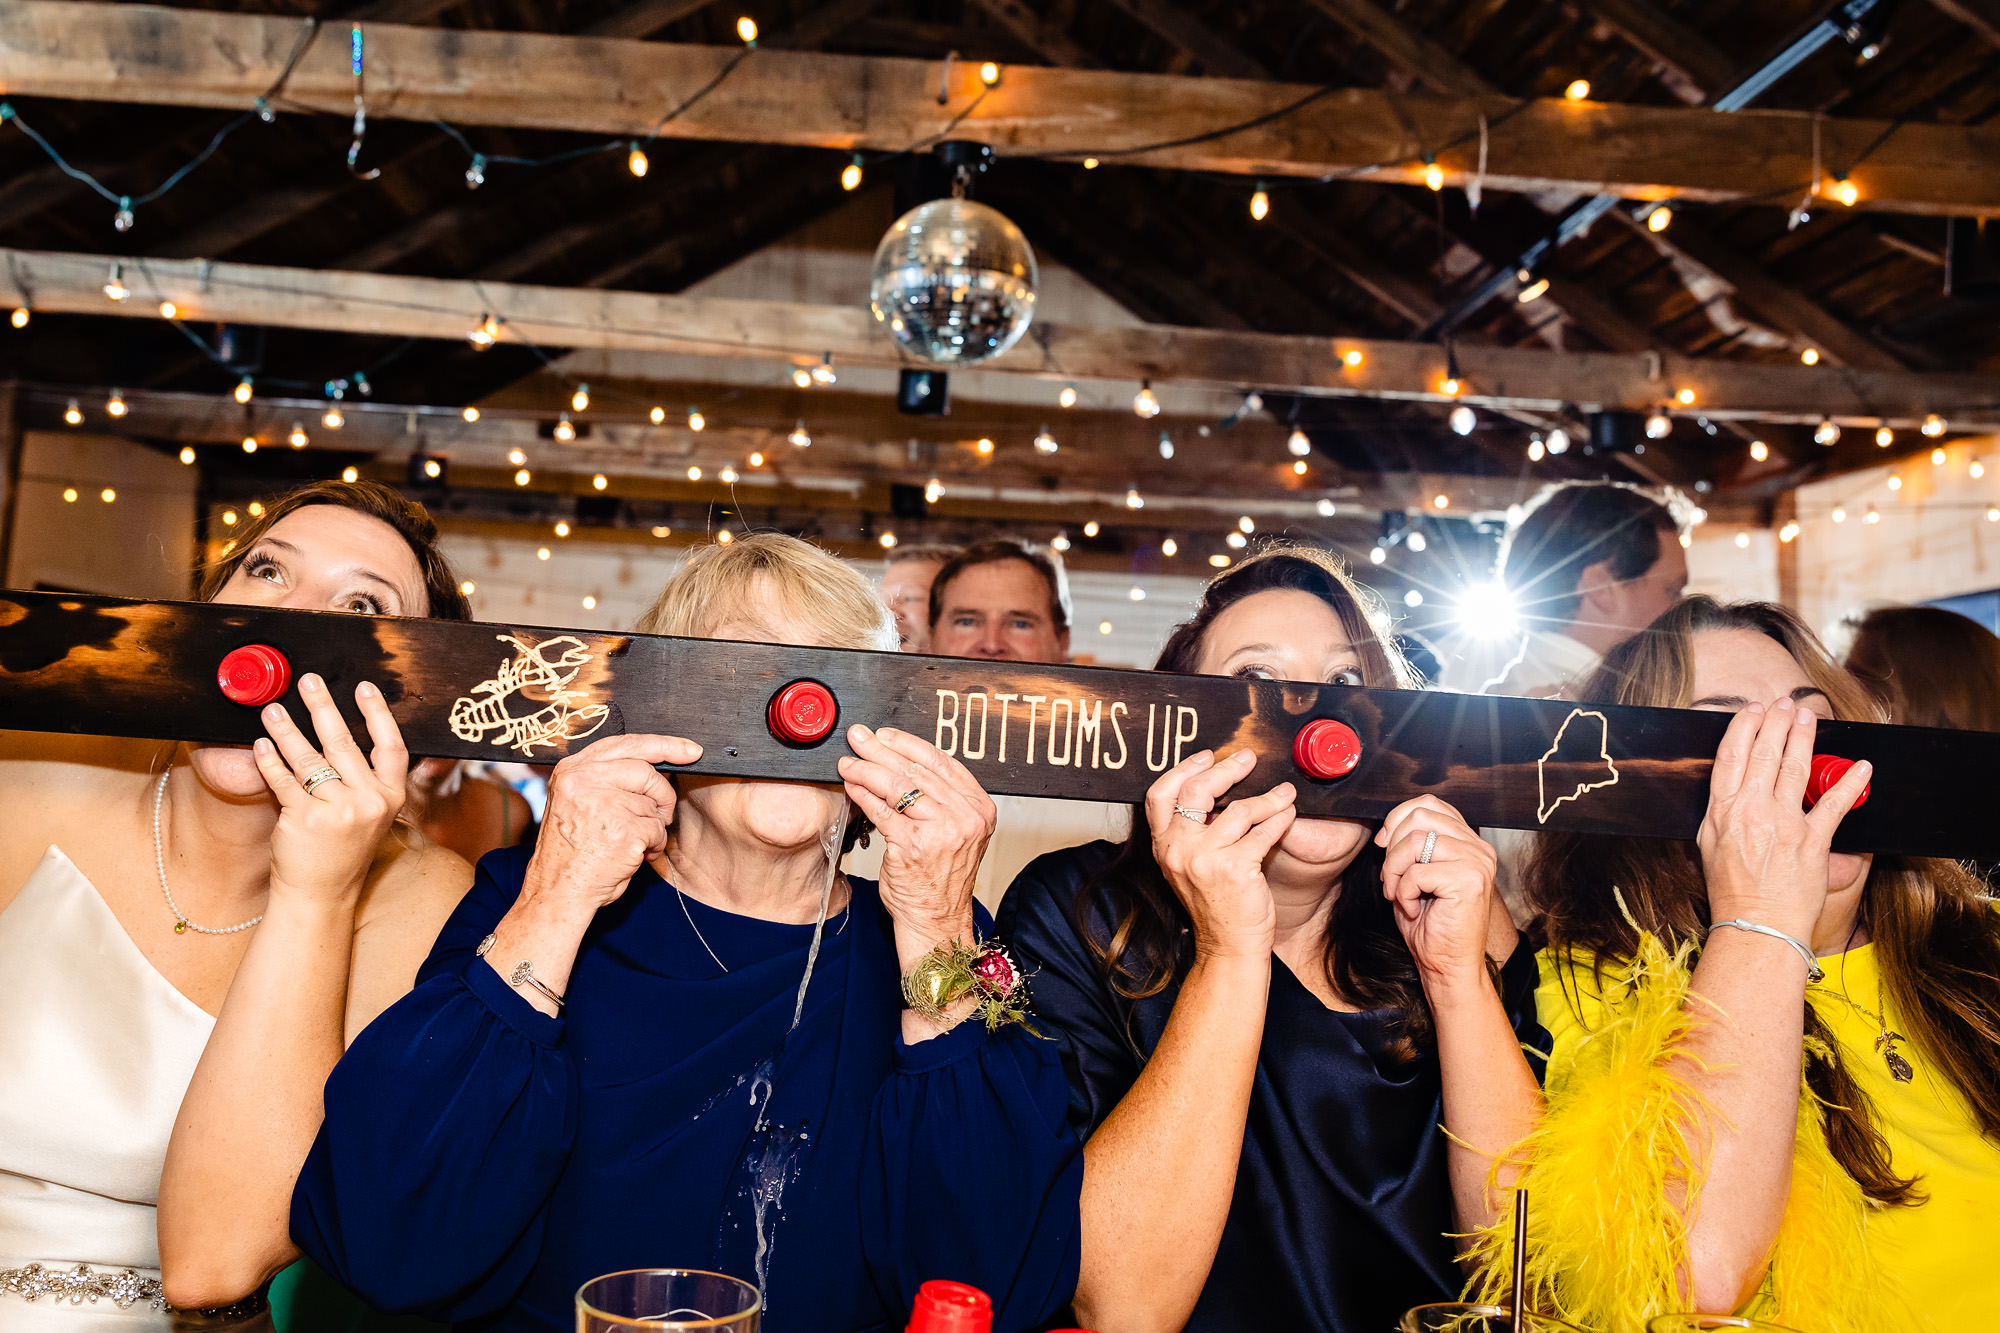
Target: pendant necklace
x,y
1899,1068
181,923
679,897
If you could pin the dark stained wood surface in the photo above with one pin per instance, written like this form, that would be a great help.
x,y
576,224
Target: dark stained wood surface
x,y
475,691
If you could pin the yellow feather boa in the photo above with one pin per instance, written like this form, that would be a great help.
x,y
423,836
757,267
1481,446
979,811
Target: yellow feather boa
x,y
1605,1244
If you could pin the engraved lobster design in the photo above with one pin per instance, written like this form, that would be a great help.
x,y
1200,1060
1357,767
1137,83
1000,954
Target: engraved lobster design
x,y
532,673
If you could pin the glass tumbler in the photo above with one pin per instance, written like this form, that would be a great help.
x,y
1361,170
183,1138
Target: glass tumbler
x,y
1457,1317
667,1300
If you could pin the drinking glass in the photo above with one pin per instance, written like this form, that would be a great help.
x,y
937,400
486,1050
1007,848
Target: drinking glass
x,y
666,1300
1697,1323
1457,1317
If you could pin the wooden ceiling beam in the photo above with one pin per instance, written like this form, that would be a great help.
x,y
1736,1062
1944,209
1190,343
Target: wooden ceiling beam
x,y
1194,39
1426,61
1982,16
552,317
1038,33
1703,67
142,54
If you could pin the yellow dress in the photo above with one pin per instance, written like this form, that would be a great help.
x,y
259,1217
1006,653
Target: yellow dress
x,y
1604,1244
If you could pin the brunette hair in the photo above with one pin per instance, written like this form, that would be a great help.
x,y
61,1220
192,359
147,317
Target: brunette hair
x,y
929,552
1930,667
410,520
1936,934
1146,940
1043,562
1572,525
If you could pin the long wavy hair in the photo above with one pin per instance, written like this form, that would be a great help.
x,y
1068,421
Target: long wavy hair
x,y
1936,933
1143,934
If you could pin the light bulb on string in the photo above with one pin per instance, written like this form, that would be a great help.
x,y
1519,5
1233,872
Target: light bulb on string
x,y
1298,443
1045,443
1873,515
1134,500
635,160
243,390
1170,548
469,414
1933,426
1166,445
1789,532
19,319
69,495
115,405
662,530
350,474
1976,470
1059,542
1090,164
1299,467
168,310
657,416
1260,204
983,446
1417,542
728,475
1558,441
989,74
696,421
1839,514
1091,529
114,287
517,457
802,377
1937,457
1658,427
1377,555
580,400
1810,356
756,458
298,439
73,414
1759,451
887,541
564,431
1462,420
1450,385
746,30
599,482
1845,191
1578,90
434,468
187,455
1659,219
1145,403
1826,433
1325,508
823,374
1433,175
562,528
798,439
1742,541
850,175
1536,449
1219,560
1067,397
249,444
1352,358
1895,483
1685,397
1246,524
694,472
331,418
485,333
1993,513
1884,437
1440,501
1237,541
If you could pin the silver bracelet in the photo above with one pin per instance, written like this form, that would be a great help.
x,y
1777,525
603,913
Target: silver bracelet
x,y
1813,970
523,973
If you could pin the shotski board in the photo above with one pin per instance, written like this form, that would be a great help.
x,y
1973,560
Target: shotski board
x,y
199,672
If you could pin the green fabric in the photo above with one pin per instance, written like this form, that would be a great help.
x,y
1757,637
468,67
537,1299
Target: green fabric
x,y
304,1299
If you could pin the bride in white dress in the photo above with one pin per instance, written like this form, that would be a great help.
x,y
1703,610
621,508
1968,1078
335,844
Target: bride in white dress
x,y
188,938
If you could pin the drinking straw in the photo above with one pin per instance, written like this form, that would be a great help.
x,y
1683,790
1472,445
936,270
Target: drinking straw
x,y
1520,1258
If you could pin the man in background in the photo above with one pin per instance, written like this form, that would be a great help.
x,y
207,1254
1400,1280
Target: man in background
x,y
906,591
1588,565
1008,601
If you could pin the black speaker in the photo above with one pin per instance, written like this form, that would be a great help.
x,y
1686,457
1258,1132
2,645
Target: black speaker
x,y
1617,432
923,393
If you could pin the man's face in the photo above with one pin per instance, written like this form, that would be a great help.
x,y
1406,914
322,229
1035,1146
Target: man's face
x,y
906,591
999,610
1629,605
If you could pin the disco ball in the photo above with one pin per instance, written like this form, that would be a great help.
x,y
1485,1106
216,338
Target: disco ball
x,y
954,281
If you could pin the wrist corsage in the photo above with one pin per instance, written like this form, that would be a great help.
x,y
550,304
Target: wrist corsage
x,y
953,970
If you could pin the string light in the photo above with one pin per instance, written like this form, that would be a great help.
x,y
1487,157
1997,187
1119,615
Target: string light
x,y
1059,542
1441,501
1433,175
350,474
229,518
1895,483
1976,470
1759,451
564,431
562,529
756,459
1993,513
1103,627
331,418
484,334
802,377
1219,560
73,414
116,404
1462,420
1845,191
187,455
933,491
1134,500
822,374
242,392
1045,443
469,413
1685,397
1659,219
1417,542
1299,468
989,74
1873,515
888,541
1884,437
256,508
1534,291
1742,541
983,447
635,161
599,482
1450,385
580,400
1067,397
1826,432
1377,555
1246,524
1413,599
1578,90
724,537
728,475
1789,532
1810,356
542,553
19,318
517,457
1658,427
1170,548
1145,403
746,29
522,477
69,495
249,444
1260,204
434,468
662,530
1325,508
115,287
694,473
168,310
696,421
1937,458
1536,449
798,439
850,175
467,588
298,439
1091,528
1933,426
1298,443
1136,594
1839,514
1237,541
1558,441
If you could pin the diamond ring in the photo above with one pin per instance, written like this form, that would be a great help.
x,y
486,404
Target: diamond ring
x,y
318,777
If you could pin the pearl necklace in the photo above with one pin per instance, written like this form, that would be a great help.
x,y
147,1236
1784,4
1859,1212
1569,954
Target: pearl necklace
x,y
181,923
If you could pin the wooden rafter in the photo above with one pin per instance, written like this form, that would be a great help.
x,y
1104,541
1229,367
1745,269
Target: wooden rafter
x,y
135,53
1702,68
775,330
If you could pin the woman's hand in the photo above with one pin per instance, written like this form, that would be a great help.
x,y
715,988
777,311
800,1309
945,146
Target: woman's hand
x,y
608,812
326,839
1765,856
1217,868
934,843
1443,905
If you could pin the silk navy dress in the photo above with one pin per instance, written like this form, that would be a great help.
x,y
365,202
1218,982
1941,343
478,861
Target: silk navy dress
x,y
1342,1211
481,1160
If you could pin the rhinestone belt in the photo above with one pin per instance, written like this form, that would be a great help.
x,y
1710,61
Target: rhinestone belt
x,y
123,1288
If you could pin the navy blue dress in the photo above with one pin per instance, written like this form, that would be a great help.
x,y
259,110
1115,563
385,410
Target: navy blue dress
x,y
1342,1211
480,1160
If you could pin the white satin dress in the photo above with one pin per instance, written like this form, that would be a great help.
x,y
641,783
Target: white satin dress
x,y
96,1051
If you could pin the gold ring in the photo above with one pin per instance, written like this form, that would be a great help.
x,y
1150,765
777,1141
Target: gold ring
x,y
909,798
319,777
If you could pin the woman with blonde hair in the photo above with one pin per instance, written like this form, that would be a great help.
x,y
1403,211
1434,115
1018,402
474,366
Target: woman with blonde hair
x,y
672,1035
1774,1084
1292,1042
